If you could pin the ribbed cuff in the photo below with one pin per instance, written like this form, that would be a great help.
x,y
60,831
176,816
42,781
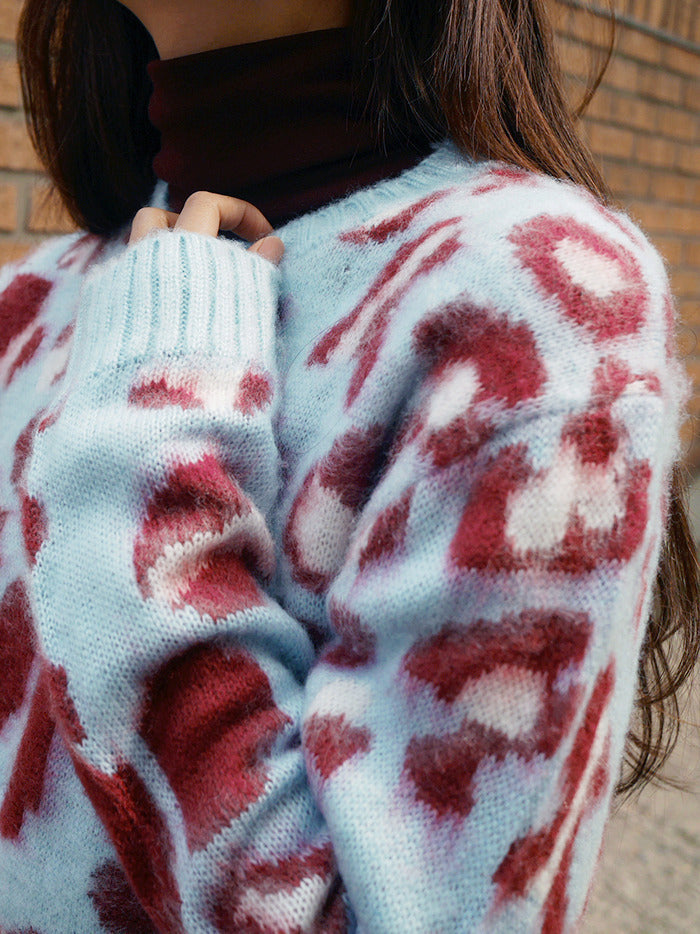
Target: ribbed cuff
x,y
176,294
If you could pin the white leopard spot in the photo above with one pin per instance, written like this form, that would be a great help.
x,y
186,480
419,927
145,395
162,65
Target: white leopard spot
x,y
598,274
322,528
453,396
508,699
341,697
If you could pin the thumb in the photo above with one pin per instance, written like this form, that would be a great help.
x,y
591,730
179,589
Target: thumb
x,y
270,248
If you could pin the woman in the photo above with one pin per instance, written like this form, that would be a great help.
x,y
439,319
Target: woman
x,y
326,583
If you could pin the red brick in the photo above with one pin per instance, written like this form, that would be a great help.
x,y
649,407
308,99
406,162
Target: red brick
x,y
689,159
691,253
660,85
652,150
627,179
9,83
671,186
47,213
623,74
635,44
8,206
16,151
607,140
686,62
678,124
623,109
9,18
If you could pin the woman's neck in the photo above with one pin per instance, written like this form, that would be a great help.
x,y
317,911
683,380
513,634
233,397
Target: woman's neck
x,y
184,27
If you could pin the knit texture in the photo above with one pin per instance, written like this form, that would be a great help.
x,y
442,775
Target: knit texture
x,y
323,587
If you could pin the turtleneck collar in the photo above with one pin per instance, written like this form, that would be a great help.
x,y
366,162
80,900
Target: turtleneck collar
x,y
271,122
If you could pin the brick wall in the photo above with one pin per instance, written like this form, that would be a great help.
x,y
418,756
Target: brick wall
x,y
643,125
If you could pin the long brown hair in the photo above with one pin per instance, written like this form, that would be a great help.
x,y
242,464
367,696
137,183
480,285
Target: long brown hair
x,y
483,72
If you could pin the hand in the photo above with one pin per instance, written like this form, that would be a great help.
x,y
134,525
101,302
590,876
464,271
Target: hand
x,y
208,213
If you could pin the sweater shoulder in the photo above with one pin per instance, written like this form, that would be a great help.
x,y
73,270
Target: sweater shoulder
x,y
545,252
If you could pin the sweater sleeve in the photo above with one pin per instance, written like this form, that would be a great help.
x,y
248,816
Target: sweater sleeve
x,y
465,729
175,680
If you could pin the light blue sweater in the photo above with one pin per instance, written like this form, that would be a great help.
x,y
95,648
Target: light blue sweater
x,y
324,586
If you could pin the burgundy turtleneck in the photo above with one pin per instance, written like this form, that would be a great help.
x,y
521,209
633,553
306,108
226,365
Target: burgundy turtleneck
x,y
271,122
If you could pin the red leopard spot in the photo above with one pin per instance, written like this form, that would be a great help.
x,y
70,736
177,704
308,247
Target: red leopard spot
x,y
390,226
597,281
500,177
504,353
20,303
211,720
594,435
23,448
330,741
158,394
304,888
140,835
388,532
480,538
83,252
62,705
26,785
116,904
26,354
441,770
254,392
34,525
357,643
348,467
16,648
382,300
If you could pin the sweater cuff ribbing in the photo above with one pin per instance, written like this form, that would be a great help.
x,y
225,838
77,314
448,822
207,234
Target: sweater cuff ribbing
x,y
175,294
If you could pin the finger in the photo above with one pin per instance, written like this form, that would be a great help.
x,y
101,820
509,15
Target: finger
x,y
148,219
208,213
271,248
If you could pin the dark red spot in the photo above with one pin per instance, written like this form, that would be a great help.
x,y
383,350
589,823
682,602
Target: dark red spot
x,y
348,470
84,251
593,434
27,352
388,532
620,312
16,648
329,741
23,448
140,835
504,353
20,303
441,770
62,705
390,226
480,540
357,643
158,394
297,871
369,343
116,904
348,467
500,177
26,785
254,392
34,525
210,719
